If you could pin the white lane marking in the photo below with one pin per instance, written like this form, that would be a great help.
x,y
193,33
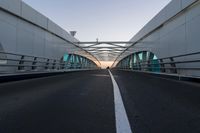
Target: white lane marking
x,y
122,122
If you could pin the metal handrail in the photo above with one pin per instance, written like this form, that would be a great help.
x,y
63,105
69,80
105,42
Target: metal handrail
x,y
30,61
176,62
23,63
166,65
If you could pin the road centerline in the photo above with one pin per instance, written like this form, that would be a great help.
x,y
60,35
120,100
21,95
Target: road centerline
x,y
122,122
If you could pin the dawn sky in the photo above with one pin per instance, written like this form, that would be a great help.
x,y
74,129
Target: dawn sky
x,y
108,20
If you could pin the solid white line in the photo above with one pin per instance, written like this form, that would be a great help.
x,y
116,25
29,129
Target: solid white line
x,y
122,123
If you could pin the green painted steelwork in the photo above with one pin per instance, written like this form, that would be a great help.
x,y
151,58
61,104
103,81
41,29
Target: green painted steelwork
x,y
74,61
144,61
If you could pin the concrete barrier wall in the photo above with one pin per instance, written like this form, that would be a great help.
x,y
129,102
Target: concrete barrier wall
x,y
173,31
23,30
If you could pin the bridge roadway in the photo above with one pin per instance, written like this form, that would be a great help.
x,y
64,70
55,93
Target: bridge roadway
x,y
83,102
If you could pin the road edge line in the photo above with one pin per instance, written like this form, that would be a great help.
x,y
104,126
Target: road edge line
x,y
121,118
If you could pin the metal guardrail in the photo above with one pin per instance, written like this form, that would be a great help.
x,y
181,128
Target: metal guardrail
x,y
173,64
11,63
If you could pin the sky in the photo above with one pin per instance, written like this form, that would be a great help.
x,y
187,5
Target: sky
x,y
107,20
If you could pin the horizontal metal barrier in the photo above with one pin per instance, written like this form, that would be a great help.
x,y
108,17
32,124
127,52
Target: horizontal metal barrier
x,y
14,63
185,64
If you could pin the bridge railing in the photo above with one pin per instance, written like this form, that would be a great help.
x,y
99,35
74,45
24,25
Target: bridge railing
x,y
14,63
185,64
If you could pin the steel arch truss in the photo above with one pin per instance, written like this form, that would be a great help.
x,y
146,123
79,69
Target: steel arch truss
x,y
105,50
74,61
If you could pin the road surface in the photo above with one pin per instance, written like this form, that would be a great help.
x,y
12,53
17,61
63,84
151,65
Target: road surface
x,y
83,102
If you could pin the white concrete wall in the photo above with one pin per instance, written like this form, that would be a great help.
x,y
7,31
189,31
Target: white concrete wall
x,y
179,33
23,30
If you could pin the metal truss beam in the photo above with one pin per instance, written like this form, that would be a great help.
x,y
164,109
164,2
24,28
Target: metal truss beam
x,y
104,50
105,42
105,47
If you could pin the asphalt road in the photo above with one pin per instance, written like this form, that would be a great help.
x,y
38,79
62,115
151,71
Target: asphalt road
x,y
83,102
156,105
80,102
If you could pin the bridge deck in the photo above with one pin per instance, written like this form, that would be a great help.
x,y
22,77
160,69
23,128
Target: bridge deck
x,y
83,102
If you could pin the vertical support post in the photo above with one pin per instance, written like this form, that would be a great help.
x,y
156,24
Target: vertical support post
x,y
62,65
21,62
138,61
80,62
47,64
68,63
162,66
129,62
144,60
54,64
34,67
173,65
134,62
150,62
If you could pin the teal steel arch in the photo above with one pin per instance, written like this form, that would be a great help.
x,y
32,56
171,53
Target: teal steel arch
x,y
74,61
143,60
